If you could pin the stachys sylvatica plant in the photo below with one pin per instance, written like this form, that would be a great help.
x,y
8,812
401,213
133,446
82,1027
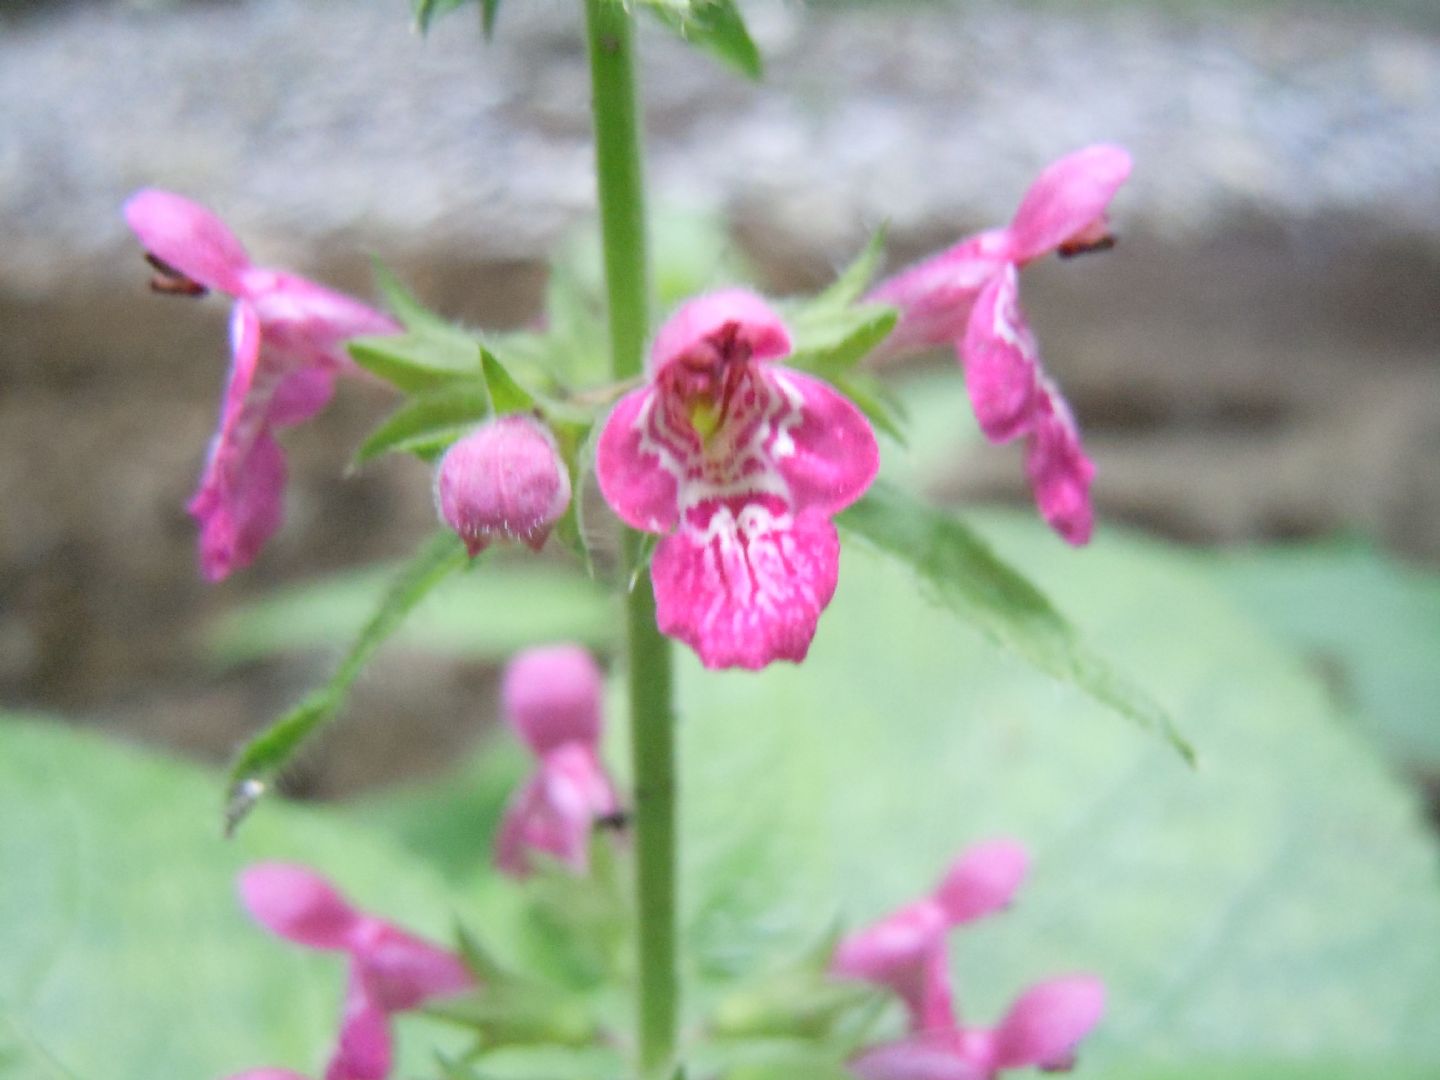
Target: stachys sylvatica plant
x,y
734,446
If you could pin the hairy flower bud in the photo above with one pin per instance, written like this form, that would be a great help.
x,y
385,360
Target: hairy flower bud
x,y
503,480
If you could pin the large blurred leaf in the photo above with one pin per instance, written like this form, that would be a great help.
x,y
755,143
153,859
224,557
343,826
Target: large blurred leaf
x,y
1274,915
963,573
125,953
1369,624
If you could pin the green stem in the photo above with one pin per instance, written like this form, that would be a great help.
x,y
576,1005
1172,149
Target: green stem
x,y
652,724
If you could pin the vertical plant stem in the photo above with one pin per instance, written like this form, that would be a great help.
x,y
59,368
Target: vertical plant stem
x,y
652,735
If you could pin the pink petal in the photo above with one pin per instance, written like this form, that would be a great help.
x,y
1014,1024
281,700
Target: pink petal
x,y
1059,471
364,1050
239,502
309,323
982,881
1068,199
401,971
504,480
297,904
555,812
1047,1022
926,1057
1001,360
829,457
905,951
756,326
935,295
188,237
637,462
743,584
301,395
551,696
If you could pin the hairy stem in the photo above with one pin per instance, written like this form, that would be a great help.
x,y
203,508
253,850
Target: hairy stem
x,y
652,736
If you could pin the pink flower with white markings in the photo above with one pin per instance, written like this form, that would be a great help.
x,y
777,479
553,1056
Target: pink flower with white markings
x,y
740,463
505,480
551,700
390,970
968,296
905,951
287,338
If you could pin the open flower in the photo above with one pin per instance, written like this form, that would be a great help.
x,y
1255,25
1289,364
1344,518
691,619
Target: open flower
x,y
551,700
390,970
740,463
286,342
905,951
968,296
504,480
1042,1030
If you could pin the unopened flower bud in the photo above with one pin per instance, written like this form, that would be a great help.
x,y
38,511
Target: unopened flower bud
x,y
503,480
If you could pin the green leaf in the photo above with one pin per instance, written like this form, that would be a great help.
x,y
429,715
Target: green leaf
x,y
1274,913
428,423
855,279
1369,624
127,955
507,395
488,10
413,315
715,26
420,360
963,574
514,603
830,341
264,755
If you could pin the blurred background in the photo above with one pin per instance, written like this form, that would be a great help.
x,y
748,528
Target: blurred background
x,y
1254,367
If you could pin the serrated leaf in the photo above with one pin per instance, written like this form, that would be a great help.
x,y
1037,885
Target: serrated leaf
x,y
413,315
428,423
420,360
507,395
126,953
852,282
715,26
830,341
264,755
963,574
875,399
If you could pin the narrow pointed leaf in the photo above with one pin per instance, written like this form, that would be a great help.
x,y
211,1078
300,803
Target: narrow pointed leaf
x,y
968,579
507,395
715,26
268,752
855,278
488,10
420,360
413,315
427,424
829,341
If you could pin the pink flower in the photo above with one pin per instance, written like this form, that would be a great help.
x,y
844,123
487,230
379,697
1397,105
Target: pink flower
x,y
390,970
286,342
504,479
1041,1030
551,700
906,952
740,463
968,296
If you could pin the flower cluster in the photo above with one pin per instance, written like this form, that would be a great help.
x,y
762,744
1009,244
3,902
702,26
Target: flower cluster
x,y
390,970
968,296
286,343
906,952
551,699
739,463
